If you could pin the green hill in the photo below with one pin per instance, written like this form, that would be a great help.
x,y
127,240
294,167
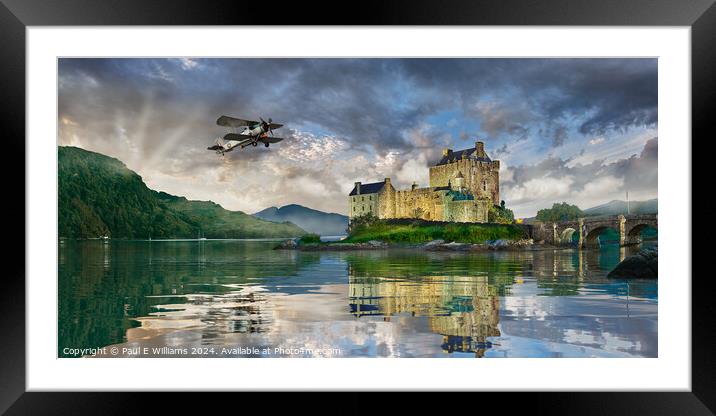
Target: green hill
x,y
218,222
99,195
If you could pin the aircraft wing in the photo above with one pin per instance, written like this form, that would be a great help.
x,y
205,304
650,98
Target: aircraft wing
x,y
270,139
275,126
227,121
236,136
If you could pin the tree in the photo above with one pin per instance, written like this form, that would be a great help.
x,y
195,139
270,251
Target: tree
x,y
560,212
360,221
500,214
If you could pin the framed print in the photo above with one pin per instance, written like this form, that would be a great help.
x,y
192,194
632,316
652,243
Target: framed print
x,y
389,206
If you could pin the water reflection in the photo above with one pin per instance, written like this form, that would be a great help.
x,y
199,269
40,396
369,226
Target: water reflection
x,y
463,310
375,303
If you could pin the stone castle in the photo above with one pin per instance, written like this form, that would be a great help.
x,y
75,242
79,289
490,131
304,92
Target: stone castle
x,y
463,186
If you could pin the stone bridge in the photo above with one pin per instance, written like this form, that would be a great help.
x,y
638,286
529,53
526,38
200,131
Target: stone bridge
x,y
588,229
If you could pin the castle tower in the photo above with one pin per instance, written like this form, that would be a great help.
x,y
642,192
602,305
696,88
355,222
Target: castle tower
x,y
480,173
459,183
480,149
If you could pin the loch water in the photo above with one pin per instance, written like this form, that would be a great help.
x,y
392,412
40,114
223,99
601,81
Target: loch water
x,y
226,298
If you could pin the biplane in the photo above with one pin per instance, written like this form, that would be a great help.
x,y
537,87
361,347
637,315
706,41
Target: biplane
x,y
245,133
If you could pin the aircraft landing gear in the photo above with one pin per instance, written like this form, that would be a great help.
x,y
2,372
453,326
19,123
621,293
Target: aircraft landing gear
x,y
254,144
266,144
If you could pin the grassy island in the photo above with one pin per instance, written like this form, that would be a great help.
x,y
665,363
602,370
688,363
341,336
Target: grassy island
x,y
418,231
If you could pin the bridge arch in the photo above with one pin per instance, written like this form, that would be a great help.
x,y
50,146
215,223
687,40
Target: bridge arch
x,y
633,233
565,231
591,239
567,235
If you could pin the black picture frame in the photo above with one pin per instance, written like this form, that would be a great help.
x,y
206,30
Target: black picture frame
x,y
15,15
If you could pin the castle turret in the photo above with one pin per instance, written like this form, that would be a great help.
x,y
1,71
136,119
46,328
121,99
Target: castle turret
x,y
459,183
480,149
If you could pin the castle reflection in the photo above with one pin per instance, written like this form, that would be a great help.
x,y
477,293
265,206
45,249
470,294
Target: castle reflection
x,y
464,310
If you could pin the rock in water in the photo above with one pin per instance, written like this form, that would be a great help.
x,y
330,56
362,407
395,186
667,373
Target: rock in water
x,y
497,244
642,265
288,244
376,243
456,246
433,243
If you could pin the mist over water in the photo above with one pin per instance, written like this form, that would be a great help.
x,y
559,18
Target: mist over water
x,y
241,298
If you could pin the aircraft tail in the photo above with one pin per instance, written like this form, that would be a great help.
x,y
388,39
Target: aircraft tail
x,y
218,144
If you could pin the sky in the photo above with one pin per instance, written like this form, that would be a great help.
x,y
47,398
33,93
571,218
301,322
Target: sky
x,y
582,131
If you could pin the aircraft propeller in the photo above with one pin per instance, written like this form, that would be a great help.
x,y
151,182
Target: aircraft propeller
x,y
267,126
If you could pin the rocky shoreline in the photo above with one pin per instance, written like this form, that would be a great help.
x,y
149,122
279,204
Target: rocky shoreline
x,y
435,245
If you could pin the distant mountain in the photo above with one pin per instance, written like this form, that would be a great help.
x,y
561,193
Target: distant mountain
x,y
311,220
99,195
615,207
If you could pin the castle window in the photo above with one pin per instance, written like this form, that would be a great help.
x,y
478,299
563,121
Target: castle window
x,y
484,185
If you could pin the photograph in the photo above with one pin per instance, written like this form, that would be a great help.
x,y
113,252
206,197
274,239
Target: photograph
x,y
342,207
408,198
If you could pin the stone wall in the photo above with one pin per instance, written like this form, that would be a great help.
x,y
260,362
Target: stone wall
x,y
363,204
467,210
424,199
386,201
434,205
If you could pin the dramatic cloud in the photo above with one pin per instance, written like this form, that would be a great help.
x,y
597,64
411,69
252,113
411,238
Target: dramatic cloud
x,y
365,119
531,187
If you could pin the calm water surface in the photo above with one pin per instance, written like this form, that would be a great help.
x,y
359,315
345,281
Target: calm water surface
x,y
240,298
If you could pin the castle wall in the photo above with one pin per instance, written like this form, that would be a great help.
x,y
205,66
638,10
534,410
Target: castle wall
x,y
426,199
467,210
386,202
363,204
435,205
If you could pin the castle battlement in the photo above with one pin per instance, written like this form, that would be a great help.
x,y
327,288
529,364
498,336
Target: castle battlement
x,y
463,185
